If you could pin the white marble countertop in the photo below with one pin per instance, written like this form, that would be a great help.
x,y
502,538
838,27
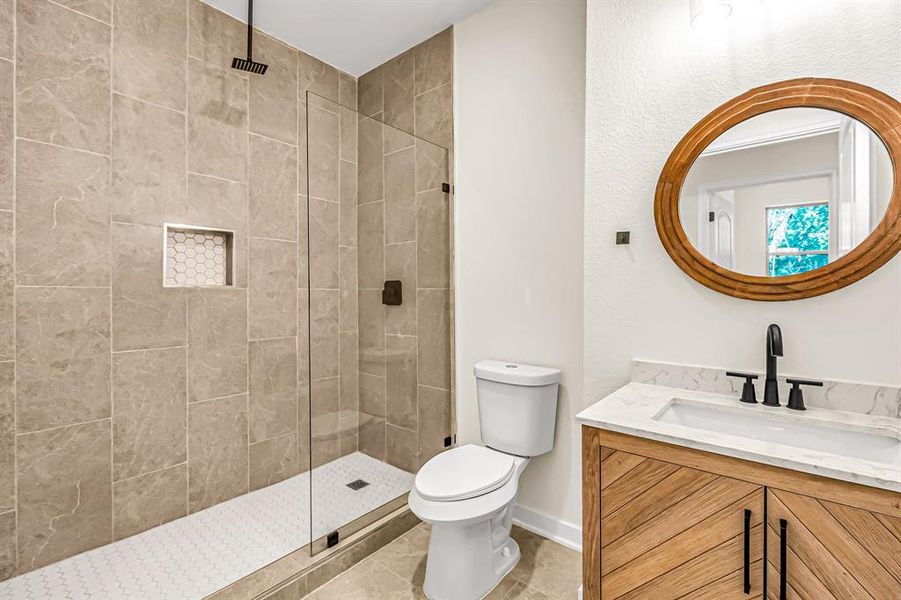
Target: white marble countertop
x,y
632,410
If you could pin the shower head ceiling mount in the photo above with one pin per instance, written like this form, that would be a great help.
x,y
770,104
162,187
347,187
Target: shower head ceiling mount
x,y
248,64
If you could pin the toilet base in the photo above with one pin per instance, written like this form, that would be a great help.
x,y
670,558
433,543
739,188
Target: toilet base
x,y
507,562
466,562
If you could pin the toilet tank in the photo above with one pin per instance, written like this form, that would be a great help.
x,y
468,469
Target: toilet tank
x,y
517,406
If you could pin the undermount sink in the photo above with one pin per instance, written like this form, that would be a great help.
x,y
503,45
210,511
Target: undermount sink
x,y
755,422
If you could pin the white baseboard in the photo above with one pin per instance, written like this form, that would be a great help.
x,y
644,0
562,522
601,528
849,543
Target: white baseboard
x,y
559,531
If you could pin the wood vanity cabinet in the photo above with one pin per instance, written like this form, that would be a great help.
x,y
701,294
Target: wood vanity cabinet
x,y
665,522
830,550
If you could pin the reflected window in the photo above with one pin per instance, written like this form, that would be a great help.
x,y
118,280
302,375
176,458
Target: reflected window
x,y
797,238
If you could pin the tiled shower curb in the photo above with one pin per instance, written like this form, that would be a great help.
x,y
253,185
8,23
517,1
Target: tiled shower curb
x,y
295,575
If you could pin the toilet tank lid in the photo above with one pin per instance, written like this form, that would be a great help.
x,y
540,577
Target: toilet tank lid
x,y
515,374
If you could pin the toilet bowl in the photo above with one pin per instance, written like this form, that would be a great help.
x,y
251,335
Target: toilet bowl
x,y
467,494
471,513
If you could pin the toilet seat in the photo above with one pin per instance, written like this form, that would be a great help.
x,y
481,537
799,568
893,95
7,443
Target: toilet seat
x,y
462,473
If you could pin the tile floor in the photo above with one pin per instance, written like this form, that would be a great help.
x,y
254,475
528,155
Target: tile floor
x,y
546,571
201,553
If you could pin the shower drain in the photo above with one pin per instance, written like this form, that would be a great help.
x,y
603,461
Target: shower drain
x,y
357,485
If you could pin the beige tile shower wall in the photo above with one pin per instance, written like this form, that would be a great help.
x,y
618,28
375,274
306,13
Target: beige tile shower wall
x,y
405,399
124,404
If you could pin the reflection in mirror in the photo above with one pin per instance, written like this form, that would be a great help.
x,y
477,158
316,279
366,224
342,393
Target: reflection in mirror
x,y
786,192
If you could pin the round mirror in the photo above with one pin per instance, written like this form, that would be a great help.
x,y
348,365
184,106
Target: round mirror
x,y
786,192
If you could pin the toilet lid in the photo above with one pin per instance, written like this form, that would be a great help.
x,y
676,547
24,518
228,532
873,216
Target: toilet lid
x,y
463,472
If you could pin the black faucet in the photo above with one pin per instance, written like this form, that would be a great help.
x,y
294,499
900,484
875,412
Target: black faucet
x,y
773,349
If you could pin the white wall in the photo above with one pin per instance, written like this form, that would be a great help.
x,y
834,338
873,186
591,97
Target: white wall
x,y
650,77
519,104
519,216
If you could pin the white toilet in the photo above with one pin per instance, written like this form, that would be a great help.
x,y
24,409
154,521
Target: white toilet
x,y
467,493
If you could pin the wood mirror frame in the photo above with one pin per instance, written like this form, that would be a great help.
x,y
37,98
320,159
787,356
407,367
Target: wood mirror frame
x,y
879,111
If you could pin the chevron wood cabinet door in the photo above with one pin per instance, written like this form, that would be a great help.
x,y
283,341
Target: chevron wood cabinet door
x,y
669,531
821,550
666,522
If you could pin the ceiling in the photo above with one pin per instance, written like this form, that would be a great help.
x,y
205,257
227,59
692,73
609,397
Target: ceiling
x,y
352,35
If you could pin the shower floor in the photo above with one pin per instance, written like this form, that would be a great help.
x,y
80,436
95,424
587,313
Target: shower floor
x,y
196,555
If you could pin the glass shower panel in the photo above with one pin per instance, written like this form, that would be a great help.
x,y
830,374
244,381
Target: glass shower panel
x,y
379,312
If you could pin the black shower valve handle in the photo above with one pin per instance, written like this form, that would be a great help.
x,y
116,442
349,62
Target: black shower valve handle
x,y
748,393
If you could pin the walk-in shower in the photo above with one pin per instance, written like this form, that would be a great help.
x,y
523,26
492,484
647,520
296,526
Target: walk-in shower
x,y
202,384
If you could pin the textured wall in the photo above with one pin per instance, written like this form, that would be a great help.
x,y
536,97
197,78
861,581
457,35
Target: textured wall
x,y
124,404
404,233
650,76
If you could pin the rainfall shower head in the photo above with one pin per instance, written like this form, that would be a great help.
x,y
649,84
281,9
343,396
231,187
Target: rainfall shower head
x,y
248,64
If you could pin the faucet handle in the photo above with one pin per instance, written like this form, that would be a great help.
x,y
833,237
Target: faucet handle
x,y
748,394
796,394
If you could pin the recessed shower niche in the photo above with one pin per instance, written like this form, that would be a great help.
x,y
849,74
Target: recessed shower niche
x,y
197,256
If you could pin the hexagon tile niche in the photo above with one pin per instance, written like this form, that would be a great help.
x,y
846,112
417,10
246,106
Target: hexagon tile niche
x,y
197,256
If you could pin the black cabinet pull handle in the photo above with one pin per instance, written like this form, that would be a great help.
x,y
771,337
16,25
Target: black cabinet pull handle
x,y
747,551
783,551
